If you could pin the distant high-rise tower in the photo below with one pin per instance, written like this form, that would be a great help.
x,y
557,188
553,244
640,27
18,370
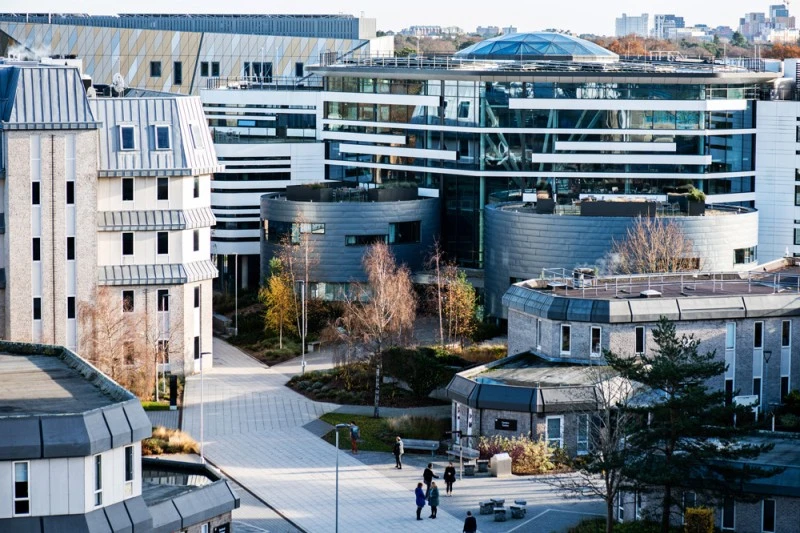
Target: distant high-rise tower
x,y
626,25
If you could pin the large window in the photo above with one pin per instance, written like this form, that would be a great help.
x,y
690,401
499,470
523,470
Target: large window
x,y
538,333
197,348
127,138
204,69
36,194
163,299
127,243
70,307
797,195
162,238
127,301
404,232
786,333
127,189
555,434
196,240
98,480
758,335
197,297
37,308
215,68
155,69
640,340
566,339
196,188
768,516
363,240
742,256
595,346
162,189
730,336
728,514
70,248
36,252
22,489
162,137
70,192
177,73
583,434
129,470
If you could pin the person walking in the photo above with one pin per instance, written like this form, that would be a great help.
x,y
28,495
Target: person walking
x,y
470,524
449,478
433,500
354,436
420,500
427,477
398,452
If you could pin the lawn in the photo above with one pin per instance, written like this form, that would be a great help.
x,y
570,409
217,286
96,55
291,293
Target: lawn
x,y
378,434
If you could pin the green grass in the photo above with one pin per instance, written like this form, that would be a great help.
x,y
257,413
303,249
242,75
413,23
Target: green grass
x,y
155,406
378,434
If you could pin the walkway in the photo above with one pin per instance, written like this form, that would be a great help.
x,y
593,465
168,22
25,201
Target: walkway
x,y
253,432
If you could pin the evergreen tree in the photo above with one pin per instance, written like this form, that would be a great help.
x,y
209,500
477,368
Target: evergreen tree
x,y
685,435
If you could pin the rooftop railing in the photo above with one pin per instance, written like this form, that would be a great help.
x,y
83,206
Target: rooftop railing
x,y
271,83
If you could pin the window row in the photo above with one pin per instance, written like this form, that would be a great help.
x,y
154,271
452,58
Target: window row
x,y
37,308
162,139
162,242
162,189
36,193
36,248
399,233
177,71
22,481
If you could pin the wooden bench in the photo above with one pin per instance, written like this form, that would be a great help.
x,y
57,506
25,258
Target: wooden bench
x,y
418,444
457,451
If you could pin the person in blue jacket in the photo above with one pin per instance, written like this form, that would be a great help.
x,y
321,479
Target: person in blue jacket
x,y
420,494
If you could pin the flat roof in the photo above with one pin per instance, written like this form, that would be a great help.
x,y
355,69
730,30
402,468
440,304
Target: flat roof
x,y
531,370
45,385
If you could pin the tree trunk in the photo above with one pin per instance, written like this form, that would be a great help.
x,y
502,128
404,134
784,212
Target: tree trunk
x,y
665,510
378,378
610,515
439,299
280,336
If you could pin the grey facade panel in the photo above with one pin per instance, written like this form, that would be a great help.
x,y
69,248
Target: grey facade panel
x,y
337,263
650,310
118,519
765,305
460,389
118,426
97,522
139,515
205,502
709,308
67,524
22,525
141,427
20,438
97,430
65,436
166,518
520,244
504,397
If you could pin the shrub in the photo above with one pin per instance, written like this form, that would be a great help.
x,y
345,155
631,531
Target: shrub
x,y
789,421
165,440
419,368
699,520
528,456
418,427
487,330
155,406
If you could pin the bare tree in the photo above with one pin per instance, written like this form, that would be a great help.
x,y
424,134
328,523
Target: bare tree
x,y
598,473
653,245
453,297
122,342
381,313
436,294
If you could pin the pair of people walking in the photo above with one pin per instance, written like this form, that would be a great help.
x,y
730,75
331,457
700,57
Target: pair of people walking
x,y
432,499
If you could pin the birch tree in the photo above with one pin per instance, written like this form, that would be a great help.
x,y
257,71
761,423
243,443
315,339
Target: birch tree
x,y
653,245
279,299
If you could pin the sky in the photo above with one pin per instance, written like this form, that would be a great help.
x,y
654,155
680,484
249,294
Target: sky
x,y
578,16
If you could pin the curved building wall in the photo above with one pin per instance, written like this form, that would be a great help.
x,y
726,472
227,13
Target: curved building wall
x,y
520,244
336,262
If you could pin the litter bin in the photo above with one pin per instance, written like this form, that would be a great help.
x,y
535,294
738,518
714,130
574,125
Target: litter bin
x,y
500,465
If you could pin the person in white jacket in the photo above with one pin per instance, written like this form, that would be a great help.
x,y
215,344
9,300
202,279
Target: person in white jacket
x,y
398,453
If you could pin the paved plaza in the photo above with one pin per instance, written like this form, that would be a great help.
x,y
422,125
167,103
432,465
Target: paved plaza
x,y
254,432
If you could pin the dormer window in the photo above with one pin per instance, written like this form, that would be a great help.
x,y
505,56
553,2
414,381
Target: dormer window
x,y
162,138
127,138
197,137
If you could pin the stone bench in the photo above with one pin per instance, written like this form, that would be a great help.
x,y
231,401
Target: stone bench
x,y
424,445
517,512
500,514
486,507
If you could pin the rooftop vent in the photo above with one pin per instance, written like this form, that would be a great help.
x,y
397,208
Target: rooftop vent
x,y
650,293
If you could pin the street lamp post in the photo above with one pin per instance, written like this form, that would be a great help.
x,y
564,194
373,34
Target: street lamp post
x,y
457,434
302,326
202,391
338,427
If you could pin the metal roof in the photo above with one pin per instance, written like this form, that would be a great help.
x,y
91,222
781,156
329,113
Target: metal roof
x,y
166,274
43,97
155,220
191,150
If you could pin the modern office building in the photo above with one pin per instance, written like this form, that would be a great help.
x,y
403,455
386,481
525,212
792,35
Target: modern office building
x,y
180,53
665,25
632,25
542,110
340,222
71,455
104,195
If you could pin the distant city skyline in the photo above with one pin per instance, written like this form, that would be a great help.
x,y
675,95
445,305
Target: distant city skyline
x,y
579,16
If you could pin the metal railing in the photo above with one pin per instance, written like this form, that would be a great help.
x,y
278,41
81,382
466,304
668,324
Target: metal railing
x,y
266,83
578,283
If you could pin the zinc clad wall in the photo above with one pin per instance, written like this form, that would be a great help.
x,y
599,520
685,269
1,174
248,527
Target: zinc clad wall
x,y
520,244
337,263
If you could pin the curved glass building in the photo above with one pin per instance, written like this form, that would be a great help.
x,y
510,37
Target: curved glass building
x,y
544,112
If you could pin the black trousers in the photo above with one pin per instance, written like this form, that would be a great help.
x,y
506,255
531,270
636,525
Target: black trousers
x,y
427,489
397,461
433,511
449,486
419,510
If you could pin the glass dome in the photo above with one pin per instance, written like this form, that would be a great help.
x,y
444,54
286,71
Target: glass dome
x,y
538,45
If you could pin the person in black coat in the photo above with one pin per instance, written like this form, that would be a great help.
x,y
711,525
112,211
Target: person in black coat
x,y
427,477
449,478
470,524
398,453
